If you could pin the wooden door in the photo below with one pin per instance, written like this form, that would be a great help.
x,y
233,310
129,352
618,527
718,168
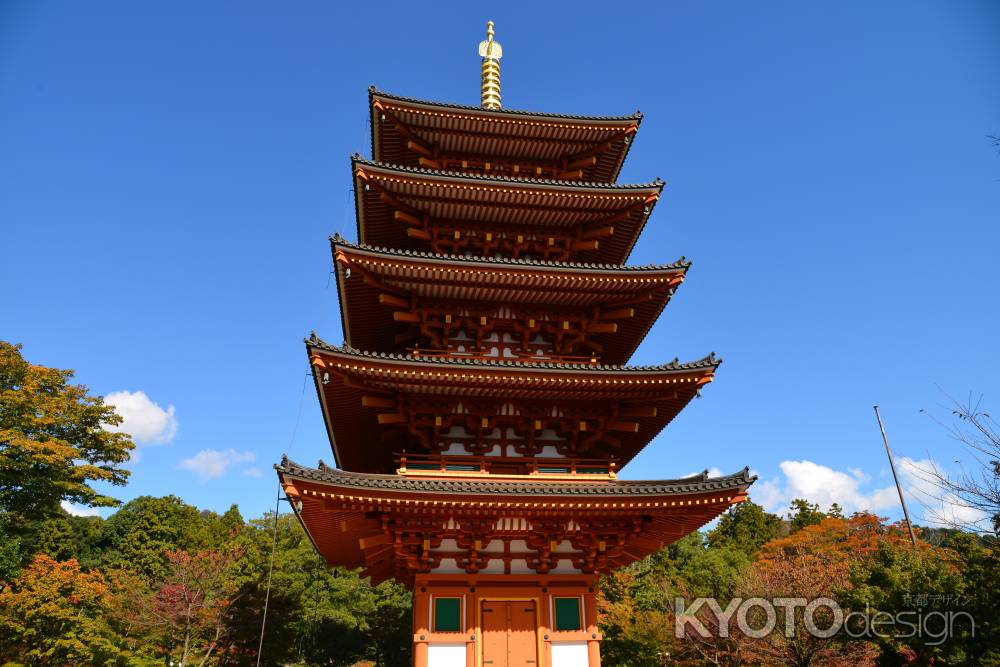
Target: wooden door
x,y
494,633
510,633
522,636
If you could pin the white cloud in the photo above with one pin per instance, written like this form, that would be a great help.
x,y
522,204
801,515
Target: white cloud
x,y
213,463
252,472
144,420
940,508
770,495
824,486
76,510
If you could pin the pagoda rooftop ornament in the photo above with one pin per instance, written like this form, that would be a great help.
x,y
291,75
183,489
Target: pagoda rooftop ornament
x,y
491,52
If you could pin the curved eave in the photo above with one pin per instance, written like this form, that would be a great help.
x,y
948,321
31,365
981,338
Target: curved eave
x,y
344,514
588,268
518,114
505,263
615,374
498,204
348,481
542,184
499,132
342,375
541,286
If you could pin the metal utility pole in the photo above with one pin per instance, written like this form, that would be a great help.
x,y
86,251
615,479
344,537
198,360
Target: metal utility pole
x,y
892,464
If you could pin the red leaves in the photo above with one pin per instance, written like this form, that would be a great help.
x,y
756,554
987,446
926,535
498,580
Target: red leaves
x,y
192,602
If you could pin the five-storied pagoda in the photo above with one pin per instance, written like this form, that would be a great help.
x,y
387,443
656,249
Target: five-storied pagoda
x,y
480,408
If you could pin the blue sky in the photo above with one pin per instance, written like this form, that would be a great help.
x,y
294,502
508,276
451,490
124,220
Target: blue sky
x,y
169,174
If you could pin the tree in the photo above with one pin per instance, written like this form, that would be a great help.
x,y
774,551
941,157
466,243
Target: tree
x,y
804,514
191,605
637,603
893,579
317,615
56,614
970,500
141,534
53,439
813,562
746,527
10,553
978,561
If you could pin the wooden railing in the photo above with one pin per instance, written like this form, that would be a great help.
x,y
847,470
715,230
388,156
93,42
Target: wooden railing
x,y
524,357
429,464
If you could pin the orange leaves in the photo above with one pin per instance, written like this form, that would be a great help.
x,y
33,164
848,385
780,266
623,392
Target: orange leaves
x,y
55,613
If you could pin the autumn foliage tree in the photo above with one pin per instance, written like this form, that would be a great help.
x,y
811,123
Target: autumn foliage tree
x,y
53,439
56,614
813,562
190,608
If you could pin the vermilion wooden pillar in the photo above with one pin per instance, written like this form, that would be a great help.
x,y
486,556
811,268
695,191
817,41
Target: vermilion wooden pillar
x,y
421,628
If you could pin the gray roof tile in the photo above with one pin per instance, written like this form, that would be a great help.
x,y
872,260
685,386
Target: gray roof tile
x,y
711,361
697,484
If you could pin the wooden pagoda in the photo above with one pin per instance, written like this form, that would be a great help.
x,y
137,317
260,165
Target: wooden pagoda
x,y
480,409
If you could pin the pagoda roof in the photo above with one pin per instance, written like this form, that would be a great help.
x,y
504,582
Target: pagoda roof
x,y
503,133
526,283
681,264
700,483
356,520
707,363
343,374
500,203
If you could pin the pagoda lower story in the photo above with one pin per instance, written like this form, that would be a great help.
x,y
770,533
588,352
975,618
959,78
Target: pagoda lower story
x,y
503,569
481,408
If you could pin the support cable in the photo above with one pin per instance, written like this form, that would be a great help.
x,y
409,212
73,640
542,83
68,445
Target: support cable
x,y
274,534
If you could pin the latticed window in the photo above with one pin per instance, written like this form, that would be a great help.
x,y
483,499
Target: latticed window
x,y
567,614
447,614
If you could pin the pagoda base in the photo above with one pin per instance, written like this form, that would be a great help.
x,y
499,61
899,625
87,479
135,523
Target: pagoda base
x,y
511,620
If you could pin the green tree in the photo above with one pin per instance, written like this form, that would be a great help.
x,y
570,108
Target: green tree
x,y
804,514
317,614
893,578
140,534
746,527
637,602
53,439
978,560
10,552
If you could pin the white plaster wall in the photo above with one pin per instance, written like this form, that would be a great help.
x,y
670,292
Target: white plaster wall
x,y
448,566
493,547
563,547
565,566
495,566
570,654
449,655
520,566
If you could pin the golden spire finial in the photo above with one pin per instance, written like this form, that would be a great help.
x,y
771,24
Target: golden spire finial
x,y
491,52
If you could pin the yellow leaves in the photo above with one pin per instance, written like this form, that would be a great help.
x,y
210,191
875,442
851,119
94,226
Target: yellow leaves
x,y
54,613
54,438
